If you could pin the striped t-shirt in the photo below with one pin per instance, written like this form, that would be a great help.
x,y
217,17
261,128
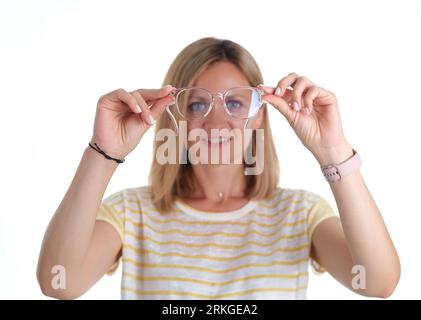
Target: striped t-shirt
x,y
260,251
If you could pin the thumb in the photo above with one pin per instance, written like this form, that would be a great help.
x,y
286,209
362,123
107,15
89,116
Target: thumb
x,y
153,94
280,104
159,106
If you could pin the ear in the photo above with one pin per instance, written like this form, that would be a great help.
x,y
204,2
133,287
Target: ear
x,y
258,119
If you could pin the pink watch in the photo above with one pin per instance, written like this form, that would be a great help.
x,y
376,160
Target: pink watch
x,y
335,172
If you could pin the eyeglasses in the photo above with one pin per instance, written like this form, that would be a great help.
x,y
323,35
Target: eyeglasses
x,y
194,103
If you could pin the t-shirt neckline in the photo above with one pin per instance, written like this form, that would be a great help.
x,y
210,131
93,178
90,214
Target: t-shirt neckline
x,y
216,216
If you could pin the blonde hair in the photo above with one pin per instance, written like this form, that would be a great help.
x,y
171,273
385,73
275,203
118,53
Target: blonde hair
x,y
169,181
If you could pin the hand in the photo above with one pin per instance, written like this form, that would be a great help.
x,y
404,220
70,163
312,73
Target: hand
x,y
313,114
123,117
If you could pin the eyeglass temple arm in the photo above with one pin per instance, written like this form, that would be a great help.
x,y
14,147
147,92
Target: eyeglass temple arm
x,y
173,93
172,118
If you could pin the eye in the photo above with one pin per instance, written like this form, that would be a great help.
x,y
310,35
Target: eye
x,y
196,107
234,105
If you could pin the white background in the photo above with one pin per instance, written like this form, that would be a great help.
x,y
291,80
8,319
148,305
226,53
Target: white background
x,y
58,57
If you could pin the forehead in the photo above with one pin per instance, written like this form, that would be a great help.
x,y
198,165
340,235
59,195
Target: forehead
x,y
221,76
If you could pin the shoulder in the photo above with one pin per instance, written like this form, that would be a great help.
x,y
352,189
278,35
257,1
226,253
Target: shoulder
x,y
292,196
127,196
134,192
142,193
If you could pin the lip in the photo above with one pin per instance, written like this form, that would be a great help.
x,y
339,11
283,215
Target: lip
x,y
216,141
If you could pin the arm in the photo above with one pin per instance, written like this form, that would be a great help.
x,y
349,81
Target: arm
x,y
313,113
86,248
359,238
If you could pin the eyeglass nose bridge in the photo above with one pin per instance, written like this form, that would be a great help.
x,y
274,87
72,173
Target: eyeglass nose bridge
x,y
218,94
212,104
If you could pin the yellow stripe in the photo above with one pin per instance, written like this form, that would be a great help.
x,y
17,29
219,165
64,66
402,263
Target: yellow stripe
x,y
121,201
238,223
273,205
215,284
134,194
203,256
205,296
105,212
277,194
218,233
183,266
111,201
271,215
216,245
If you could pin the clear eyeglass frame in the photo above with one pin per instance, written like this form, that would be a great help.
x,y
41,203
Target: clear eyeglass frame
x,y
175,93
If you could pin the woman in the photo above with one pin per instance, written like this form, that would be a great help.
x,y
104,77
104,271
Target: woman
x,y
211,229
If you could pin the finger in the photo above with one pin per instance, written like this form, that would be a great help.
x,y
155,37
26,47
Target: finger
x,y
159,106
286,82
287,94
146,114
128,99
266,89
301,84
280,104
153,94
309,97
270,90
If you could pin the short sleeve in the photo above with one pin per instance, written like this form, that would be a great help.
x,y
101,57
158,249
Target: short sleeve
x,y
320,211
112,211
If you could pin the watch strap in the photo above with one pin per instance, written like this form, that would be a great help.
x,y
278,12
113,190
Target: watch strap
x,y
335,172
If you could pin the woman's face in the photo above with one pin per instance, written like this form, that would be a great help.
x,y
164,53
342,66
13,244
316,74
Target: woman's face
x,y
224,135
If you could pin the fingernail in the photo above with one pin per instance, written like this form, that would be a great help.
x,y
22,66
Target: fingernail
x,y
167,86
296,106
264,101
307,110
266,88
151,120
138,109
278,91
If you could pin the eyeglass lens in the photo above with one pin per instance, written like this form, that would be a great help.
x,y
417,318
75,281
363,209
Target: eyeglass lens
x,y
241,103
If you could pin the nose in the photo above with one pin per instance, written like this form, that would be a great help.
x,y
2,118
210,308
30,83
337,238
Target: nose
x,y
217,116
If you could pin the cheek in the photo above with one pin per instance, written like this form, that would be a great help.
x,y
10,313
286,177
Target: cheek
x,y
237,123
197,126
257,119
194,125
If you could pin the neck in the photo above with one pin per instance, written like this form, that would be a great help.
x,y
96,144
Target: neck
x,y
218,183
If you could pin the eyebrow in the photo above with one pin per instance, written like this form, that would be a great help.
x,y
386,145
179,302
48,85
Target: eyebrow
x,y
198,98
236,96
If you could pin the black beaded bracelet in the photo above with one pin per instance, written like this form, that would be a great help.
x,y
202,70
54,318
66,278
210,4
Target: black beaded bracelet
x,y
103,153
